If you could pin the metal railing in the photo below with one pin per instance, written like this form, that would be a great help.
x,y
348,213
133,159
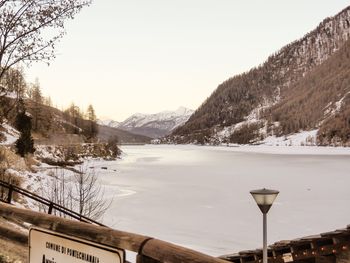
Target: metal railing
x,y
11,189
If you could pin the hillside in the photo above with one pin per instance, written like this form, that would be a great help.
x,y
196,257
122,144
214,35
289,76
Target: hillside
x,y
301,87
125,137
154,125
53,126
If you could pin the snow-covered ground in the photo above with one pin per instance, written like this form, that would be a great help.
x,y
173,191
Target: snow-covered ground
x,y
10,133
298,139
286,150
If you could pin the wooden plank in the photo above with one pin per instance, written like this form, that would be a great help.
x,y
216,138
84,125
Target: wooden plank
x,y
155,249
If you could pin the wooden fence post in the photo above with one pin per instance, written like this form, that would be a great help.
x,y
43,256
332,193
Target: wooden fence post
x,y
50,208
9,194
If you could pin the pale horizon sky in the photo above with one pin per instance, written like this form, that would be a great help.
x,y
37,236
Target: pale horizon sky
x,y
134,56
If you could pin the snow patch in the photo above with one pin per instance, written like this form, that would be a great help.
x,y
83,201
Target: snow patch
x,y
109,123
11,95
301,138
10,133
252,118
339,103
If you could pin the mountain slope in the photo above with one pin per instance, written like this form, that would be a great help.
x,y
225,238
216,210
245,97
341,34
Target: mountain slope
x,y
55,127
156,125
319,96
248,107
125,137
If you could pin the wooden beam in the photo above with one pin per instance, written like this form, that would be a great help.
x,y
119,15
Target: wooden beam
x,y
166,252
144,259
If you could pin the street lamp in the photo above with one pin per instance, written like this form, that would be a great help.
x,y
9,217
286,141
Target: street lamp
x,y
264,199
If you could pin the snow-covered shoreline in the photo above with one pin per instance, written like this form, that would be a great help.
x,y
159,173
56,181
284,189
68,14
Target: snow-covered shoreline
x,y
267,149
289,150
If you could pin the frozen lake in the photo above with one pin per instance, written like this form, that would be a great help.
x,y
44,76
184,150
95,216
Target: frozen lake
x,y
199,197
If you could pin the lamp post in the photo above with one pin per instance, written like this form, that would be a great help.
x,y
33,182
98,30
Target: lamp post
x,y
264,199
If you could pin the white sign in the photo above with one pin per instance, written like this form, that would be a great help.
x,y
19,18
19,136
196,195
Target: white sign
x,y
287,257
51,247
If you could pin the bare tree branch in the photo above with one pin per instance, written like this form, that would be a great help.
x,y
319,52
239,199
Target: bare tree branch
x,y
23,24
81,193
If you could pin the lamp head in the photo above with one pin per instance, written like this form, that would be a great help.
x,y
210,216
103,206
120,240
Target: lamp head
x,y
264,198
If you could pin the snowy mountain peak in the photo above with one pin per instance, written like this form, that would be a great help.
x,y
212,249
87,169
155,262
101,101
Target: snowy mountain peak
x,y
184,111
154,125
109,122
138,115
178,116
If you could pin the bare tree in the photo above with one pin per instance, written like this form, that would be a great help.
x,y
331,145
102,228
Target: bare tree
x,y
59,191
37,103
12,81
88,195
80,193
92,129
29,29
74,115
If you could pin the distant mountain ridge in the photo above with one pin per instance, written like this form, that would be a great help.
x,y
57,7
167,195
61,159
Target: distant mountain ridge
x,y
125,137
274,98
152,125
109,123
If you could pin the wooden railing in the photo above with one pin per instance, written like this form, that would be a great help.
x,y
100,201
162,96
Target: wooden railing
x,y
51,206
150,250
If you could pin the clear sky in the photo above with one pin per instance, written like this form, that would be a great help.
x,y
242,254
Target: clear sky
x,y
128,56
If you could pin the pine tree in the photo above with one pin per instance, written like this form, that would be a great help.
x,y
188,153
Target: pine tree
x,y
25,143
93,128
74,116
38,101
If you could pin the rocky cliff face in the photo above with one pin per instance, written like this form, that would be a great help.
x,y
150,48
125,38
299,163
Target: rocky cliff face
x,y
251,103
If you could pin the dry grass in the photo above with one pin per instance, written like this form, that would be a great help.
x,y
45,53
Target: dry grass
x,y
9,159
30,162
10,250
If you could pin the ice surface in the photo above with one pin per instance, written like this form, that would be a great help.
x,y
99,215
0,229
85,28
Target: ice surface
x,y
199,197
